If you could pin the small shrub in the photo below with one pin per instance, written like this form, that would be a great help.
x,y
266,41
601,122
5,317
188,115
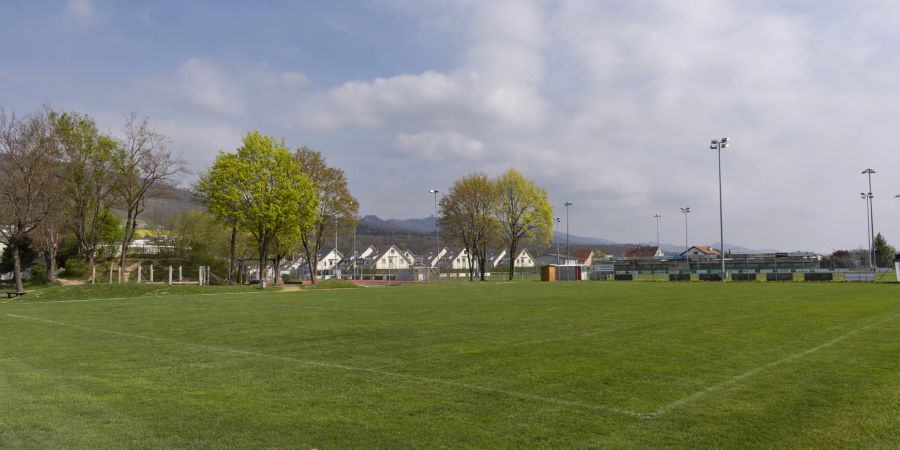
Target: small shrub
x,y
38,275
76,268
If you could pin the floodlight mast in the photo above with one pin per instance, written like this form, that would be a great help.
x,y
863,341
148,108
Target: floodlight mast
x,y
657,217
437,236
685,211
568,253
556,235
865,197
869,172
719,145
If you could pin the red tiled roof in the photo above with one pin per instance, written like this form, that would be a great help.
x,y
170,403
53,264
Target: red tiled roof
x,y
707,250
641,252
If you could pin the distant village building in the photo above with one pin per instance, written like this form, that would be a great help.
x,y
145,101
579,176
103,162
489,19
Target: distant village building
x,y
522,260
701,251
650,251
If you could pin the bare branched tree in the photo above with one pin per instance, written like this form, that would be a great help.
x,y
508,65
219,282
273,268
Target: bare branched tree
x,y
143,160
28,167
336,203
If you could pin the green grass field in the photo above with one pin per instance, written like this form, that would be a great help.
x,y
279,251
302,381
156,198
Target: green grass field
x,y
610,365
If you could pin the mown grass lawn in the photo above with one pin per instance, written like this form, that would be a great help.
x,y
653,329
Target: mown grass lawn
x,y
627,365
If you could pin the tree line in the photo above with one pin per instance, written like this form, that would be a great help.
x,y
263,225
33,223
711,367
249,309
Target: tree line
x,y
63,179
59,174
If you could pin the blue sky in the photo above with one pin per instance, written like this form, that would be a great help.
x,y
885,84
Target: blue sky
x,y
607,104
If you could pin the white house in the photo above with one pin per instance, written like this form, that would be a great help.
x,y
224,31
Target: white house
x,y
458,260
523,259
391,259
328,260
433,261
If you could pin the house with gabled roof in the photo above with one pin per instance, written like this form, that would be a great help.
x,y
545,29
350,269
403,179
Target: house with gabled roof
x,y
523,259
456,260
701,251
650,251
390,259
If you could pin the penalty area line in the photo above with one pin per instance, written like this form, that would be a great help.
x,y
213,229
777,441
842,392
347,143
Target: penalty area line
x,y
736,379
397,375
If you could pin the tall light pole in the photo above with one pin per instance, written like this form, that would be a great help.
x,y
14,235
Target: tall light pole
x,y
556,234
336,260
865,197
657,217
685,211
568,253
869,172
718,145
437,236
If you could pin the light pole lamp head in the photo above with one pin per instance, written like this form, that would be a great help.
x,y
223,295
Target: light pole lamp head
x,y
433,191
686,209
556,219
868,171
569,203
862,194
897,196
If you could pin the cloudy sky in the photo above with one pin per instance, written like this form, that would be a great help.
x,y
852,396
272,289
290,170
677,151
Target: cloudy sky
x,y
607,104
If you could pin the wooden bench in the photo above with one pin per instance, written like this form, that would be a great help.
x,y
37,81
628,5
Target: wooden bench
x,y
13,294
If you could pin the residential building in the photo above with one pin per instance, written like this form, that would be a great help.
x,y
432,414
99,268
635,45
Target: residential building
x,y
650,251
701,251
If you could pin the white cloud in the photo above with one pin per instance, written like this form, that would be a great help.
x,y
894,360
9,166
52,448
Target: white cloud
x,y
440,146
612,105
82,11
203,84
294,78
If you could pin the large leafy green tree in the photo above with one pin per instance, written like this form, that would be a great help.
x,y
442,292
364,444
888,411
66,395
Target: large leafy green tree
x,y
336,204
523,212
88,180
468,217
263,189
214,191
884,252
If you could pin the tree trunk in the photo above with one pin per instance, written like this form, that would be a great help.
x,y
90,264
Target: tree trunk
x,y
124,253
50,263
17,269
263,263
277,269
311,263
512,260
93,267
231,251
482,261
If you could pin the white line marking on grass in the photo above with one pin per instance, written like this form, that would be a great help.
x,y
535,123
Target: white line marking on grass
x,y
420,379
509,345
105,299
666,408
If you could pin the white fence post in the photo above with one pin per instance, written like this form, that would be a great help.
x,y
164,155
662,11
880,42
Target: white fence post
x,y
110,273
93,274
151,273
139,274
179,275
170,275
